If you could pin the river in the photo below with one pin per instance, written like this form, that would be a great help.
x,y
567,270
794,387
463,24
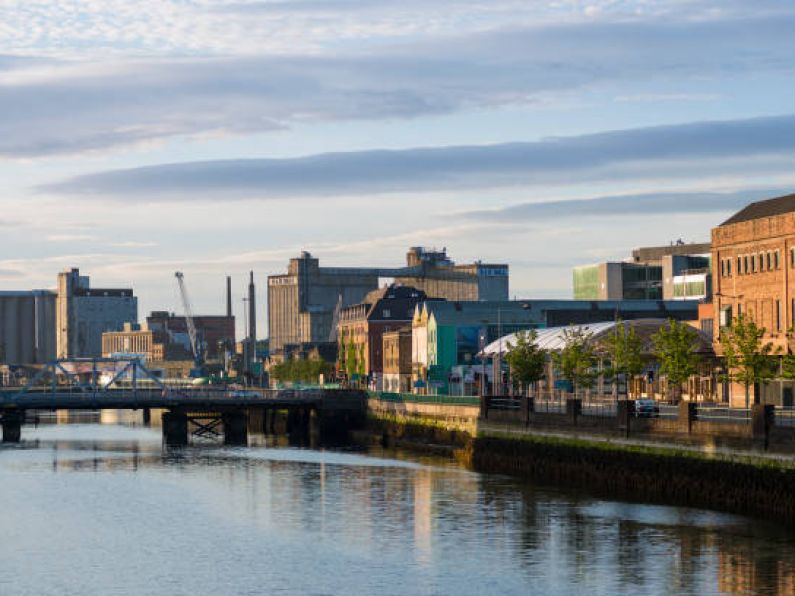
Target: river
x,y
105,509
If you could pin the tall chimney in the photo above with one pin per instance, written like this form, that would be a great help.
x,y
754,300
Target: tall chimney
x,y
252,320
229,296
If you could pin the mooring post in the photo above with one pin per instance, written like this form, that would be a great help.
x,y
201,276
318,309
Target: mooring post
x,y
687,415
235,428
573,409
12,426
175,428
484,406
625,412
762,418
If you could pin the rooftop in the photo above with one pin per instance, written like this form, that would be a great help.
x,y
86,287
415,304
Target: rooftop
x,y
554,338
766,208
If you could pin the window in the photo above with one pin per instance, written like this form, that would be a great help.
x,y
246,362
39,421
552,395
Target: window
x,y
723,268
725,316
729,267
761,261
746,265
387,313
769,260
777,259
778,315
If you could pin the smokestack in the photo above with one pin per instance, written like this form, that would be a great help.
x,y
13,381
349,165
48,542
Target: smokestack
x,y
252,320
229,296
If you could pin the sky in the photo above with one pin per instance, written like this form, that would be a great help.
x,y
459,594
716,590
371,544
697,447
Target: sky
x,y
218,137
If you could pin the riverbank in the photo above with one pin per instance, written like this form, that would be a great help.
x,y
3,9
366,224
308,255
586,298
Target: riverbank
x,y
746,482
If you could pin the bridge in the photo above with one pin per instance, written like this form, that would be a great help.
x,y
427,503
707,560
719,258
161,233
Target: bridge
x,y
125,383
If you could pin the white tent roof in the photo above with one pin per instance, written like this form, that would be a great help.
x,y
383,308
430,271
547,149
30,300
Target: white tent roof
x,y
550,339
553,338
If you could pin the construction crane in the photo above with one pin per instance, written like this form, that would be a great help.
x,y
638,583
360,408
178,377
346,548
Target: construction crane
x,y
195,346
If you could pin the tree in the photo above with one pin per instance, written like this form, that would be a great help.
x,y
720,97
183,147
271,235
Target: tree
x,y
748,359
624,348
526,359
299,370
350,360
676,349
577,358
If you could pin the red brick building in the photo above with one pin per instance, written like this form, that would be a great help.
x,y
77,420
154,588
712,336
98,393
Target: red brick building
x,y
362,327
211,329
753,263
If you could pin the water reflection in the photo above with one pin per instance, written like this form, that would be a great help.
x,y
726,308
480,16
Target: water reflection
x,y
141,518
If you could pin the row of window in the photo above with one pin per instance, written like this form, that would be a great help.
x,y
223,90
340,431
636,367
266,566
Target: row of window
x,y
777,314
754,263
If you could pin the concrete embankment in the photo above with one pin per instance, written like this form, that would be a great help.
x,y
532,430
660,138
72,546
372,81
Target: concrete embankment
x,y
751,483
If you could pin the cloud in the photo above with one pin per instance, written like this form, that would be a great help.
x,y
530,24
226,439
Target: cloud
x,y
82,106
688,150
132,244
648,204
68,238
10,274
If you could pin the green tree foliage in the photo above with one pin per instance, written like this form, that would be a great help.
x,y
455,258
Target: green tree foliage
x,y
748,360
623,348
351,367
301,371
788,367
526,359
577,359
675,347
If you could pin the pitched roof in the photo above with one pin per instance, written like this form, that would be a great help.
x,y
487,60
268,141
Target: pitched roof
x,y
766,208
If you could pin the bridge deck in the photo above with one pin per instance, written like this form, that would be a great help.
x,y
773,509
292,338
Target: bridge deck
x,y
118,399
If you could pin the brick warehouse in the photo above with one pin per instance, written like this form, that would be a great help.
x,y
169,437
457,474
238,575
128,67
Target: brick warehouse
x,y
753,260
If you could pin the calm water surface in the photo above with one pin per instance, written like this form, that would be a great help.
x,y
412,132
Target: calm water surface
x,y
106,509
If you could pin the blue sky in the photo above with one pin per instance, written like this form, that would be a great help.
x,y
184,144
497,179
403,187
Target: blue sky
x,y
215,137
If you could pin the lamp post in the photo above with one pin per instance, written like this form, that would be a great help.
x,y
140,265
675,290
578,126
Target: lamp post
x,y
246,368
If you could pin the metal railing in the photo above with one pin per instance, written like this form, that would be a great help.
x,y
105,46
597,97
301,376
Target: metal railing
x,y
550,405
601,408
725,414
668,411
785,416
505,403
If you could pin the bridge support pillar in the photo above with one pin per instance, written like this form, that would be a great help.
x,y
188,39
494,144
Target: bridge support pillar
x,y
12,427
175,428
235,428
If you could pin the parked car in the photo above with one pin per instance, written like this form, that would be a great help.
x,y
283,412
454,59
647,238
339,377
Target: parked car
x,y
243,393
647,408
